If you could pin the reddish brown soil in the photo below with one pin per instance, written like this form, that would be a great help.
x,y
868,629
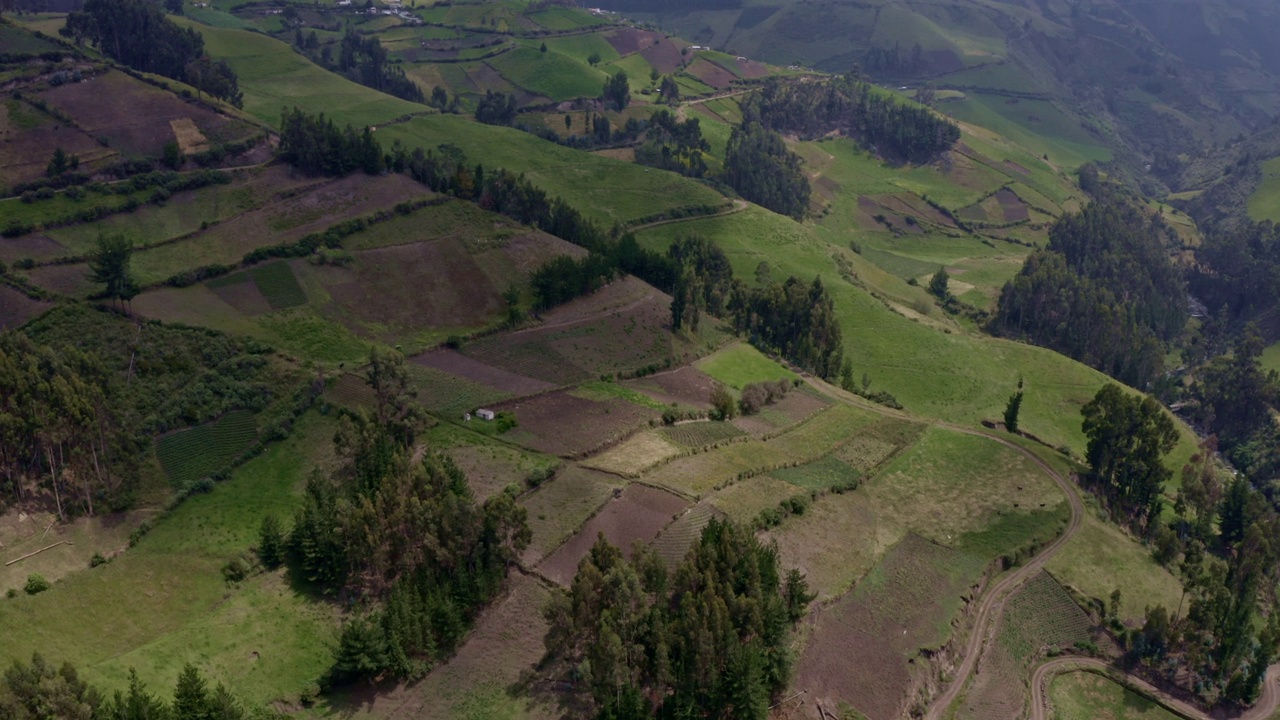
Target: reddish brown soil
x,y
16,309
619,328
827,187
1012,206
685,386
562,424
797,405
908,204
1015,167
663,55
861,647
752,69
24,154
629,40
870,209
458,364
37,247
711,74
70,280
638,513
434,284
132,115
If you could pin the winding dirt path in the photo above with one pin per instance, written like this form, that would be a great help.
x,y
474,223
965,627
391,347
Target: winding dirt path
x,y
992,606
1040,710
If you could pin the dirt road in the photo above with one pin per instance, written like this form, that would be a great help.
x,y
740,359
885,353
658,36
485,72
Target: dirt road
x,y
1263,709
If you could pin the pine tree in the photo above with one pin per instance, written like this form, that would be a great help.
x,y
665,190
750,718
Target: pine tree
x,y
109,265
59,164
191,696
1012,409
271,542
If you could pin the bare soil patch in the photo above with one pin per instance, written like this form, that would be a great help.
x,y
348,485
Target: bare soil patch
x,y
16,309
561,424
36,247
628,40
1012,206
620,328
909,204
1015,167
488,471
458,364
663,55
711,74
872,209
752,69
797,406
70,280
863,647
24,154
684,386
637,513
132,115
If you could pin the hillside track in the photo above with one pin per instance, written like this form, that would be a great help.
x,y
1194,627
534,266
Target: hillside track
x,y
992,606
1266,706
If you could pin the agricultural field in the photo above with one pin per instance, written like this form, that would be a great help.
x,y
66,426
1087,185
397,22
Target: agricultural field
x,y
559,507
702,433
1040,617
637,514
563,424
633,456
684,386
1086,695
490,466
675,540
862,648
261,635
189,455
740,364
605,190
1101,558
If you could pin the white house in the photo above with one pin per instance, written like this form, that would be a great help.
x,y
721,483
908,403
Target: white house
x,y
485,414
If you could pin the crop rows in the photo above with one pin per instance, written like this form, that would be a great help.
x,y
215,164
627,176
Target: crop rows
x,y
350,391
278,285
449,394
674,542
189,455
700,434
532,359
1043,614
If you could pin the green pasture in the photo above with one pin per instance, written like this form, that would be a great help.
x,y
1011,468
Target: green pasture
x,y
581,47
165,601
740,364
1264,203
273,78
605,190
1087,695
550,74
1036,125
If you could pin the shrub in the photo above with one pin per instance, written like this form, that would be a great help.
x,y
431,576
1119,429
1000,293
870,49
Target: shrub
x,y
36,584
271,542
236,569
97,560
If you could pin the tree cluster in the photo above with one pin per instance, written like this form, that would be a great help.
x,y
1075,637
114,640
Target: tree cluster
x,y
116,26
364,60
1104,292
758,165
893,128
708,640
671,144
496,108
39,690
617,92
1238,271
1128,437
792,318
315,145
408,539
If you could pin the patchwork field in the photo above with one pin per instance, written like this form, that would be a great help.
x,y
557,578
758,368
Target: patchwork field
x,y
559,507
637,514
861,649
560,423
1085,695
189,455
1040,617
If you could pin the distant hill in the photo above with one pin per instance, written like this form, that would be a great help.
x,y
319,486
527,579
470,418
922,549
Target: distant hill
x,y
1147,79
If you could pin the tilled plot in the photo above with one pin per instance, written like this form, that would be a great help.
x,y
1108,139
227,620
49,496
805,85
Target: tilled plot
x,y
639,512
